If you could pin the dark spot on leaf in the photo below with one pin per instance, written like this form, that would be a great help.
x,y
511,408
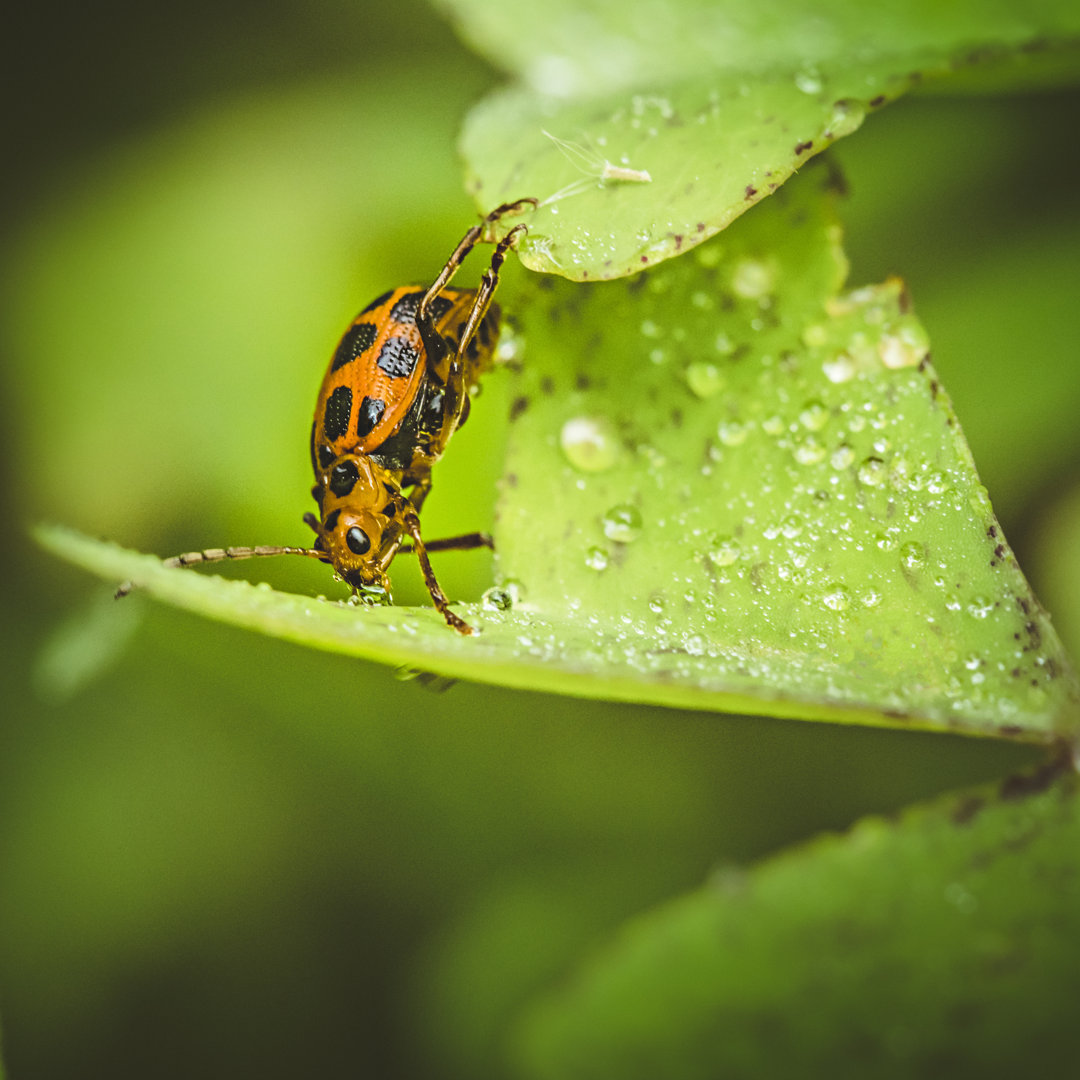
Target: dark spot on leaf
x,y
1020,785
967,808
879,100
802,147
518,406
582,381
547,386
751,191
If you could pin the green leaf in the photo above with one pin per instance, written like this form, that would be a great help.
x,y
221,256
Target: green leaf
x,y
943,944
730,486
646,128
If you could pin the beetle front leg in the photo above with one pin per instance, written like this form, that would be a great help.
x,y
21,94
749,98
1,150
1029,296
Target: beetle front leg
x,y
438,597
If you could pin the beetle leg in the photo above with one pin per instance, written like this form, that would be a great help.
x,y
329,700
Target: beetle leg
x,y
465,542
468,242
438,597
487,286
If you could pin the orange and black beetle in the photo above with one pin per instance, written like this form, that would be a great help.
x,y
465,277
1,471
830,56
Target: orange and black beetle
x,y
396,390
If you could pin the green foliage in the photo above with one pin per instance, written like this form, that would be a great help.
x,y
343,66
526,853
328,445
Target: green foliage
x,y
733,483
897,950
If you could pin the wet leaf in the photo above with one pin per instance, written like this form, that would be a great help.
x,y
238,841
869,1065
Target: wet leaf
x,y
646,128
943,941
730,486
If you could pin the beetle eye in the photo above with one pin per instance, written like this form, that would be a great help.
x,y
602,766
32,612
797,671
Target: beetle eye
x,y
359,542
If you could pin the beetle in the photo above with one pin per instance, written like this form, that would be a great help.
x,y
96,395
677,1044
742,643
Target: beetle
x,y
396,390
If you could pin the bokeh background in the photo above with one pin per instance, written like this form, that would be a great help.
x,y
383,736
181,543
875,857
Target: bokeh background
x,y
223,855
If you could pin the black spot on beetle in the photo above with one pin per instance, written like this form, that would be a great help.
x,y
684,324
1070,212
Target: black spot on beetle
x,y
357,340
326,456
368,415
343,478
331,521
337,412
404,310
378,302
397,357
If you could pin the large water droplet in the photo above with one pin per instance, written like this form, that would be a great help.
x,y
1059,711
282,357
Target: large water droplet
x,y
622,523
590,443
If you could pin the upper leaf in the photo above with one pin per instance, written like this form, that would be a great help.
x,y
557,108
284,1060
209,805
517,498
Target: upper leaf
x,y
644,128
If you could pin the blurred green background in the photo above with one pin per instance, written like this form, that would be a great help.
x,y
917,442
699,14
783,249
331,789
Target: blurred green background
x,y
222,854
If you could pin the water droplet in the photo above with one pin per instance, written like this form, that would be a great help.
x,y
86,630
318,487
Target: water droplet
x,y
842,457
622,523
871,598
496,599
752,279
872,472
705,380
810,451
656,604
650,329
837,598
898,351
840,369
375,596
791,526
596,558
724,550
773,425
814,416
937,483
731,432
980,607
511,347
809,80
847,116
912,555
590,443
695,645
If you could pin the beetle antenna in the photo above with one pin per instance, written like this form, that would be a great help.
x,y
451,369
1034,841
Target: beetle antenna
x,y
210,555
